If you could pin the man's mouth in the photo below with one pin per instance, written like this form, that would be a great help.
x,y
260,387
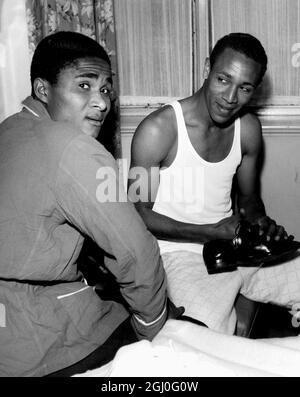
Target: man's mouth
x,y
225,109
95,121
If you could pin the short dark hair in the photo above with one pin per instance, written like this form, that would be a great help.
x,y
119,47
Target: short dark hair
x,y
60,49
244,43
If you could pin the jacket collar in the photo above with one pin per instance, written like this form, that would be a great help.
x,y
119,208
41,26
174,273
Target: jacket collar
x,y
35,107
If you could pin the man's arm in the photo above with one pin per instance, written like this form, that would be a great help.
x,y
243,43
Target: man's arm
x,y
249,201
152,147
93,200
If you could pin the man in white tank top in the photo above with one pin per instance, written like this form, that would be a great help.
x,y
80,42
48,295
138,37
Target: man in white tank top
x,y
183,160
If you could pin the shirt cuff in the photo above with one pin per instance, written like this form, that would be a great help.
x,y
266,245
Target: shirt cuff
x,y
152,322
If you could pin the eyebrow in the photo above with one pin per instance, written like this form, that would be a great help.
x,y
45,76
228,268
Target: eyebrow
x,y
92,75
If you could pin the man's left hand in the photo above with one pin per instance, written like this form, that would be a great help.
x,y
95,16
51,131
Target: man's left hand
x,y
269,229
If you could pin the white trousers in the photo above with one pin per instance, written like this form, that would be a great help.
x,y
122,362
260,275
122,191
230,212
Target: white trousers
x,y
210,298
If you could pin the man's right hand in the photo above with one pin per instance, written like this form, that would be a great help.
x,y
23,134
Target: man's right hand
x,y
174,311
226,228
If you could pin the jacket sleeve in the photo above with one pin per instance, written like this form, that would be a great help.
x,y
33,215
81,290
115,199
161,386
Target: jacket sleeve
x,y
91,196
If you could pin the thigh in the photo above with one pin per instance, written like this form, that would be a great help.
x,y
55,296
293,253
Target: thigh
x,y
123,335
207,298
278,284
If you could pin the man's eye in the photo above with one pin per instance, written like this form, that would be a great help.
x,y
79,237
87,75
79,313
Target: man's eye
x,y
85,86
105,91
221,80
246,90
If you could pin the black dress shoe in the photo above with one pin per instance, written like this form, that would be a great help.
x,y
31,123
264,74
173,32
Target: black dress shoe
x,y
247,249
219,256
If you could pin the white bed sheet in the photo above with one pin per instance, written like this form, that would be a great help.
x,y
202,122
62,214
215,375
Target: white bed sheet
x,y
183,349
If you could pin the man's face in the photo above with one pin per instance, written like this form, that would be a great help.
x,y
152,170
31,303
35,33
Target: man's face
x,y
82,95
230,84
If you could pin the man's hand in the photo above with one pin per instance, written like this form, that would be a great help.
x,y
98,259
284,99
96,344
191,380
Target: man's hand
x,y
226,228
174,311
269,229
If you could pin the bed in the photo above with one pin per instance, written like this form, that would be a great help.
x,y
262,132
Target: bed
x,y
183,349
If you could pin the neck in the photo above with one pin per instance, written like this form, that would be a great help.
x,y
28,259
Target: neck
x,y
206,119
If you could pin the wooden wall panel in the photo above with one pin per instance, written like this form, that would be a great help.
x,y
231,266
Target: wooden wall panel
x,y
276,23
280,181
201,42
154,48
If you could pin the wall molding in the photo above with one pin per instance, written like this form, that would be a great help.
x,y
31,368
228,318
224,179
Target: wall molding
x,y
279,119
275,119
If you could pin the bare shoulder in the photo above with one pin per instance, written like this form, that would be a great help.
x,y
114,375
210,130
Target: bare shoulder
x,y
158,124
250,121
154,136
251,133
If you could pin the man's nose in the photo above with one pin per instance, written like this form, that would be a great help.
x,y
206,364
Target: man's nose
x,y
231,95
99,101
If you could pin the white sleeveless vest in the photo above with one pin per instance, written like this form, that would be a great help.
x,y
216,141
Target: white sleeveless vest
x,y
193,190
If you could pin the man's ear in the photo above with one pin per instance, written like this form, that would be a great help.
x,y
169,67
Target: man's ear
x,y
206,69
41,88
